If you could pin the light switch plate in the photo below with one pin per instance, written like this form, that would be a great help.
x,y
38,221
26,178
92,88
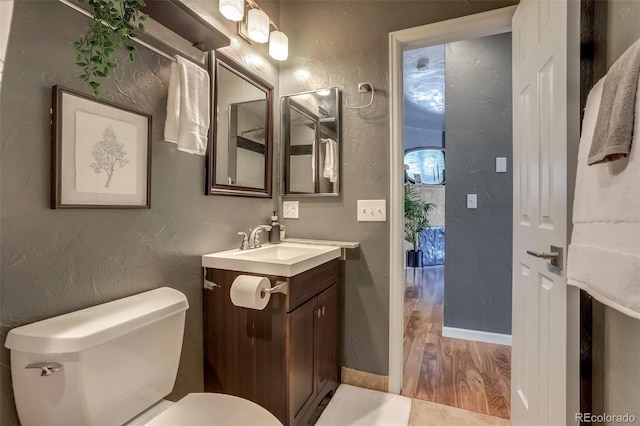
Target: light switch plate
x,y
472,201
290,209
372,210
501,164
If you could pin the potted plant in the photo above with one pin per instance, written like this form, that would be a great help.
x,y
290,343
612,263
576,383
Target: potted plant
x,y
113,25
416,219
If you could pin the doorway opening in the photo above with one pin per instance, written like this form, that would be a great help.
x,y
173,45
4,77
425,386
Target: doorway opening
x,y
457,307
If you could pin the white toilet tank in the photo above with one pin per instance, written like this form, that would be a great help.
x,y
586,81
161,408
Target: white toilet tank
x,y
117,359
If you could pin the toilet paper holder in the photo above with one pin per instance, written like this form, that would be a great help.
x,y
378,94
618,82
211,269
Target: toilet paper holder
x,y
280,287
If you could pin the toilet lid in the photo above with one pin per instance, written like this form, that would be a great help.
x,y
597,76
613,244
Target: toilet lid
x,y
202,409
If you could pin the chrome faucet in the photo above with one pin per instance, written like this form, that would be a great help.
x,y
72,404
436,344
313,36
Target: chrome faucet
x,y
254,236
244,245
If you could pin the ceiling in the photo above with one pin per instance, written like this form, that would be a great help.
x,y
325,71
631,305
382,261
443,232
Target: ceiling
x,y
423,71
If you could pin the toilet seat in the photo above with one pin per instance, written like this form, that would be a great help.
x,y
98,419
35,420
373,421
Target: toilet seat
x,y
200,409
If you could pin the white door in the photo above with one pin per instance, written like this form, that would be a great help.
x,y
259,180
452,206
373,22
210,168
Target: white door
x,y
540,111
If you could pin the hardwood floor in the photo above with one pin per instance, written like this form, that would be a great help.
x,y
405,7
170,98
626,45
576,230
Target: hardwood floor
x,y
474,376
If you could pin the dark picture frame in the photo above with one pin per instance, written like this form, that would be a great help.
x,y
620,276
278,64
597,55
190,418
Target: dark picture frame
x,y
100,153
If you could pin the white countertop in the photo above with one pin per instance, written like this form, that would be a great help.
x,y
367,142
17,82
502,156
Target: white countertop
x,y
341,244
286,260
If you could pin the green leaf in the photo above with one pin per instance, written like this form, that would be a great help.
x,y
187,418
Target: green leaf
x,y
94,50
96,94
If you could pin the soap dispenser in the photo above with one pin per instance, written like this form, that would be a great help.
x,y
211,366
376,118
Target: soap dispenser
x,y
274,233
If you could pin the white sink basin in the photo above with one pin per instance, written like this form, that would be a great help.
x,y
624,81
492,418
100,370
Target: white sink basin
x,y
283,259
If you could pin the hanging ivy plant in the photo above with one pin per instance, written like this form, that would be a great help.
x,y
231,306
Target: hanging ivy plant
x,y
114,24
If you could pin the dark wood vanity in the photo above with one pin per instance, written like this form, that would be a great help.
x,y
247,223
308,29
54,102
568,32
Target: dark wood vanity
x,y
285,357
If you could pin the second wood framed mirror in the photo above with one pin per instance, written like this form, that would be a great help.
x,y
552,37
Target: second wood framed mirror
x,y
240,152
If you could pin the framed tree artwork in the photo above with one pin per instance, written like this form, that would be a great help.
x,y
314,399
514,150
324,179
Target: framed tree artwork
x,y
101,153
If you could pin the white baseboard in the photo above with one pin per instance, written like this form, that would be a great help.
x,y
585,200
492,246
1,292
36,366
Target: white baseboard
x,y
477,336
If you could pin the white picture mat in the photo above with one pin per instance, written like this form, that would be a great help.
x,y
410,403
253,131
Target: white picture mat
x,y
68,193
90,131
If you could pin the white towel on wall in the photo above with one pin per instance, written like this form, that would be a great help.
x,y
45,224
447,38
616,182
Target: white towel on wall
x,y
330,169
604,254
171,123
188,113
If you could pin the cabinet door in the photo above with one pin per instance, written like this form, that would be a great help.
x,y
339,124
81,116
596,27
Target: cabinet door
x,y
327,336
301,357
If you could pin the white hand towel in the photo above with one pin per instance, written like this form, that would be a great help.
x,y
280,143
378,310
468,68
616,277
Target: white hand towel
x,y
194,107
188,115
171,124
604,254
313,160
330,169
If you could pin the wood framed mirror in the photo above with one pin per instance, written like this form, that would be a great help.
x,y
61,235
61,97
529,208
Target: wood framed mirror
x,y
312,143
240,152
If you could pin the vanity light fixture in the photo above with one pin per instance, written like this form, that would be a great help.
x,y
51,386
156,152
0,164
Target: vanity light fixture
x,y
258,26
233,10
255,27
279,46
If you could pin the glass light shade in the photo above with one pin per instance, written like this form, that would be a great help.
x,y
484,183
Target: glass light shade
x,y
279,46
233,10
258,26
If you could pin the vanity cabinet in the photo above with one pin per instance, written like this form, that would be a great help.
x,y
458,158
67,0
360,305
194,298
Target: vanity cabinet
x,y
285,357
313,348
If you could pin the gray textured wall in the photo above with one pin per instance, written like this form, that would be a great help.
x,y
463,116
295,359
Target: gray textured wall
x,y
477,291
341,43
56,261
621,333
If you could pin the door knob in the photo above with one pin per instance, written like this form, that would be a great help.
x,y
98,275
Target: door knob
x,y
555,256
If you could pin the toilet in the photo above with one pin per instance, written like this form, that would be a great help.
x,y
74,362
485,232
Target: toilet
x,y
112,364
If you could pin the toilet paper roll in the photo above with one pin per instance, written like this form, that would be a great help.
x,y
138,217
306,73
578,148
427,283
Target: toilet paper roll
x,y
246,291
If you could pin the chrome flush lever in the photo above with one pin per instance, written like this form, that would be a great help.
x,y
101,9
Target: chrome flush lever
x,y
555,256
48,368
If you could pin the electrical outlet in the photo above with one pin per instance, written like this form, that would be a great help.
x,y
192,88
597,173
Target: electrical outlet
x,y
372,210
472,201
290,209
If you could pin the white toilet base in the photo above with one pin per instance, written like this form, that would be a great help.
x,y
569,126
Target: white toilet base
x,y
197,409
